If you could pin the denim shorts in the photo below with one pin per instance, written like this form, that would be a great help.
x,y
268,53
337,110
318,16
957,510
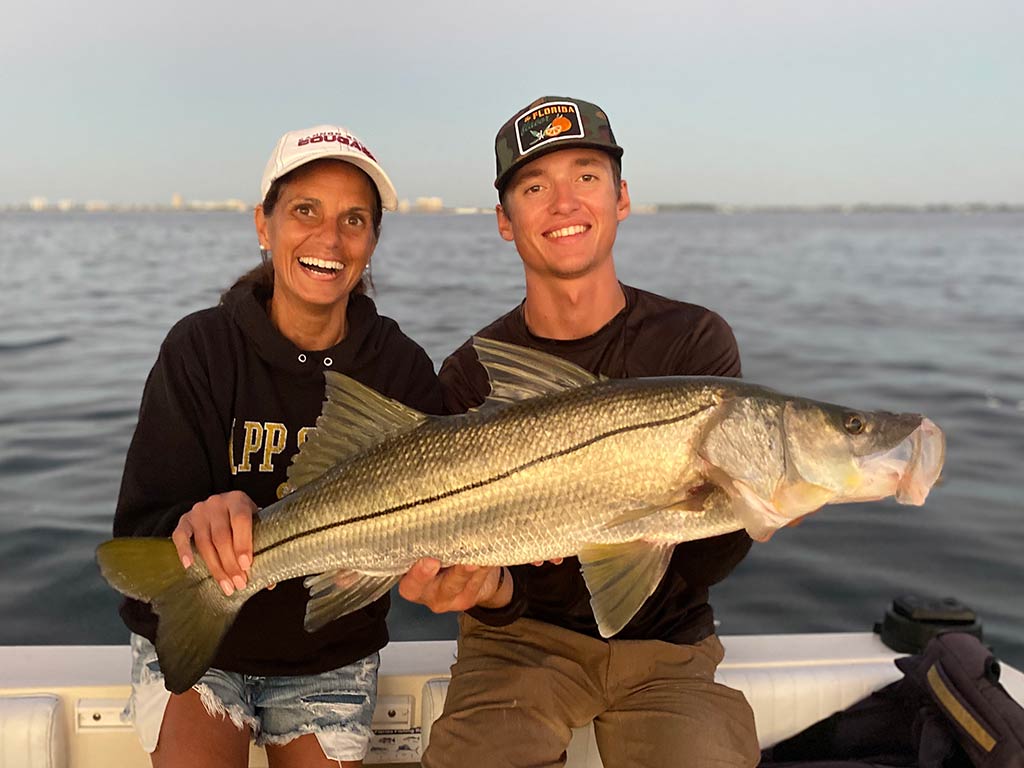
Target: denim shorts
x,y
336,706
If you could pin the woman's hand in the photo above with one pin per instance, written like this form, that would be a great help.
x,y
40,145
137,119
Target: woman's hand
x,y
456,588
221,529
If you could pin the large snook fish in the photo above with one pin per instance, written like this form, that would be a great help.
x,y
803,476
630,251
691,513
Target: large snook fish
x,y
557,462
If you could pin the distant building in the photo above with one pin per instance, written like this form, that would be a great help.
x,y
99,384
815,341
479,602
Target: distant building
x,y
232,204
177,202
429,204
643,209
38,203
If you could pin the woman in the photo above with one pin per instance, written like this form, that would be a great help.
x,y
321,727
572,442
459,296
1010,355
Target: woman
x,y
234,392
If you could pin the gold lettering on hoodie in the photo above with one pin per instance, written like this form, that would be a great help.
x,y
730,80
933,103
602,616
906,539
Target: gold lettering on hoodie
x,y
266,440
251,443
275,438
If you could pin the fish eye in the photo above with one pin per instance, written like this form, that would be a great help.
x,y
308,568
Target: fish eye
x,y
853,423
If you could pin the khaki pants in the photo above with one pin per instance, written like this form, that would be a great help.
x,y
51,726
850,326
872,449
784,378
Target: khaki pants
x,y
518,691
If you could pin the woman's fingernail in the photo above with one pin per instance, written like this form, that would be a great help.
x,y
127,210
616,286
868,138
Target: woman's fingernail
x,y
225,585
239,581
245,562
186,562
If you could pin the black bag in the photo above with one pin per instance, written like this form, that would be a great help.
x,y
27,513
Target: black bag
x,y
949,711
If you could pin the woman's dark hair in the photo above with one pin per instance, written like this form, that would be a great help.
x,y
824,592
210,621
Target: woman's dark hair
x,y
262,276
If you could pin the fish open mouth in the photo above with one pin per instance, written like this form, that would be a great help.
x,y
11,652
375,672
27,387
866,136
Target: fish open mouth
x,y
909,470
928,454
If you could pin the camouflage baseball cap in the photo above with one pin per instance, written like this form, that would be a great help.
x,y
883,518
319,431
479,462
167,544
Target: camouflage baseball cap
x,y
548,124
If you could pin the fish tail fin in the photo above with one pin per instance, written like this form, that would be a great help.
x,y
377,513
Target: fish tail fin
x,y
142,568
194,614
190,631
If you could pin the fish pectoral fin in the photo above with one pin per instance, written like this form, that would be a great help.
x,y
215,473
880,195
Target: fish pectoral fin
x,y
334,594
620,578
194,616
693,499
631,516
517,373
354,418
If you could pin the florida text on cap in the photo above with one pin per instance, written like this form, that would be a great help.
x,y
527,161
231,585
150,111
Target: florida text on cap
x,y
548,124
296,148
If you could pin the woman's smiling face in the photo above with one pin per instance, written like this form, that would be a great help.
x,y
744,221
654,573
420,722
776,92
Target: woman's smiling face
x,y
320,233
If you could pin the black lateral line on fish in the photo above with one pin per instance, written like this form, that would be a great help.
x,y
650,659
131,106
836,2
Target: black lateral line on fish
x,y
487,481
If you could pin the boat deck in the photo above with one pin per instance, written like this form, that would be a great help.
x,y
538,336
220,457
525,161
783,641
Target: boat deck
x,y
68,699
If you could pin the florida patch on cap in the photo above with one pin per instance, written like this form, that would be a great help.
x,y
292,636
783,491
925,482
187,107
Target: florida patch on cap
x,y
550,123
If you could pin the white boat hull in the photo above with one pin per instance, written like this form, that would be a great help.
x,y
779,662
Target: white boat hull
x,y
66,700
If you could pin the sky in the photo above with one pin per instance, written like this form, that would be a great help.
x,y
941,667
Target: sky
x,y
763,102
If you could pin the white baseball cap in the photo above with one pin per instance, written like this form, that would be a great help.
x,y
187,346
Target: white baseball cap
x,y
297,148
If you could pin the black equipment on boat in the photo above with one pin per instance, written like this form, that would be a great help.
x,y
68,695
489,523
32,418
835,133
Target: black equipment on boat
x,y
948,711
913,621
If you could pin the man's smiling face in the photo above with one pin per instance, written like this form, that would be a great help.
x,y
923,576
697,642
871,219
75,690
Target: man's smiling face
x,y
562,210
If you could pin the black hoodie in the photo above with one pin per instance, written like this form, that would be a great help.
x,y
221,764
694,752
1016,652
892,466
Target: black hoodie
x,y
225,408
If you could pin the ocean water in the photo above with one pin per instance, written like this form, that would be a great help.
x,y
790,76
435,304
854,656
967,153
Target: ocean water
x,y
921,312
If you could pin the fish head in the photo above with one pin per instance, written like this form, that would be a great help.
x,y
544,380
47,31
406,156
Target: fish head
x,y
862,455
782,458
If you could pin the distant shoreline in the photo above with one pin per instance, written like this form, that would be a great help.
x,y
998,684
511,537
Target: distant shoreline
x,y
836,208
705,208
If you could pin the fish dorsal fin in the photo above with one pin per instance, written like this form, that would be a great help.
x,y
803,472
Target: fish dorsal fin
x,y
354,418
621,577
517,373
336,593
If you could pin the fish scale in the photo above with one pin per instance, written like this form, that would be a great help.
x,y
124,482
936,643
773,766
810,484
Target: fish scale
x,y
539,519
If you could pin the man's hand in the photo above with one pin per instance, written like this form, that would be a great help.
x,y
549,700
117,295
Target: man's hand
x,y
456,588
221,528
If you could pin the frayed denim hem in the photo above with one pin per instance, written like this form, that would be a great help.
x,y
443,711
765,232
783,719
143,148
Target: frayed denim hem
x,y
336,742
215,707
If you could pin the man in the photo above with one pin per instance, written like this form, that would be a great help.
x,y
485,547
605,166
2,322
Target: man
x,y
531,662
